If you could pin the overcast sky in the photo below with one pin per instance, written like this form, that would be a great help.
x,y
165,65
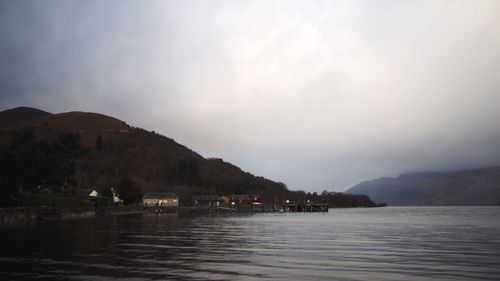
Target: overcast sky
x,y
316,94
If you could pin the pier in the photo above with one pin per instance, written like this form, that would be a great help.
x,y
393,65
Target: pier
x,y
305,207
285,208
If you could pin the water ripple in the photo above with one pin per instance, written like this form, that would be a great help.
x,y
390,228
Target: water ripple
x,y
424,243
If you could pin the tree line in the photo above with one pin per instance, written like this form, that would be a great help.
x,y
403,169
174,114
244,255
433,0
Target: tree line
x,y
29,164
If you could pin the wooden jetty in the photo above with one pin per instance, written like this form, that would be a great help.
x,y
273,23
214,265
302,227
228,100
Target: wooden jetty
x,y
287,208
305,207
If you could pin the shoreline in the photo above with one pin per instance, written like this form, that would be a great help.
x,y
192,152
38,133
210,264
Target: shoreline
x,y
28,214
16,215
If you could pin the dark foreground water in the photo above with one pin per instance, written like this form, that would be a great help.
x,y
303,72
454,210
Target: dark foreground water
x,y
393,243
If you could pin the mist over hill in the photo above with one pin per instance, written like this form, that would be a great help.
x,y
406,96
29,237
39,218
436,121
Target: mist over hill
x,y
467,187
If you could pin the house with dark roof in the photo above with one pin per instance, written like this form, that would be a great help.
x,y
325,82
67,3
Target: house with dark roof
x,y
161,200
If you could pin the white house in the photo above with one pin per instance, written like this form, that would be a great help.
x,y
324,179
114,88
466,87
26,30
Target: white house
x,y
116,198
88,193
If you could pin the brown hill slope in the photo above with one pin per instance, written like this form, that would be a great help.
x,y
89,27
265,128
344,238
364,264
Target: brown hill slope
x,y
152,161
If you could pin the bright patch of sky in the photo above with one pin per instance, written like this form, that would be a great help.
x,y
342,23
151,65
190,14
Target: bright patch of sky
x,y
316,94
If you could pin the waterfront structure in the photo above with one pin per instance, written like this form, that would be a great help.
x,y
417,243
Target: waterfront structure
x,y
207,201
306,206
244,200
161,200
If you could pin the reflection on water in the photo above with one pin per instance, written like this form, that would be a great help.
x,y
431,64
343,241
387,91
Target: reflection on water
x,y
393,243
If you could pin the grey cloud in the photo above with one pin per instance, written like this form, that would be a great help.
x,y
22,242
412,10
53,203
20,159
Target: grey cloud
x,y
317,94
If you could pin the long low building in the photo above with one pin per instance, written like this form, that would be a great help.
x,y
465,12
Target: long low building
x,y
156,199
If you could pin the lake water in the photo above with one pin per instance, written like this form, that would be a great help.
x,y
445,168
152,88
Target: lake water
x,y
392,243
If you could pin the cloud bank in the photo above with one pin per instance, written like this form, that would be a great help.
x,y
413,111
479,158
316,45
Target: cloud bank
x,y
317,94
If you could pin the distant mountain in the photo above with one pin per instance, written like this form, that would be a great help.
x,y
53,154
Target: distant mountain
x,y
154,162
468,187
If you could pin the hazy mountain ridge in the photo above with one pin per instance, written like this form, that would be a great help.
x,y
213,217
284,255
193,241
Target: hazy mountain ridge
x,y
466,187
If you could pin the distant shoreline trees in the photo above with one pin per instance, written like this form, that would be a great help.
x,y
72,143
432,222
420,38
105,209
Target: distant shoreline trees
x,y
31,165
128,191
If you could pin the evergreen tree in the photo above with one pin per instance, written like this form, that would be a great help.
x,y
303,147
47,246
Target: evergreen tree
x,y
98,142
28,164
128,191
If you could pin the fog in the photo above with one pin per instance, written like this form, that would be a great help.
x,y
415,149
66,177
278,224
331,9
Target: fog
x,y
316,94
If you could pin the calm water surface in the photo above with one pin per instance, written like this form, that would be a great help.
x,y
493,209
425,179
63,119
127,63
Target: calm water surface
x,y
393,243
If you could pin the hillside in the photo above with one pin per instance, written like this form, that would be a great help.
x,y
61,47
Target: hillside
x,y
66,152
11,116
468,187
154,162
